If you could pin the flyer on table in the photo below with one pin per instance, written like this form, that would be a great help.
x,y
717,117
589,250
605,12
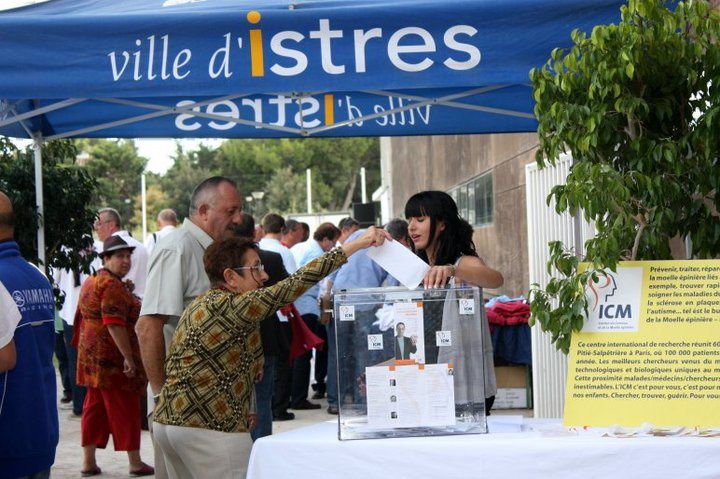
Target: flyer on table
x,y
650,348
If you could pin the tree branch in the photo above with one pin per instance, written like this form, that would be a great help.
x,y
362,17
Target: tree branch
x,y
350,192
636,244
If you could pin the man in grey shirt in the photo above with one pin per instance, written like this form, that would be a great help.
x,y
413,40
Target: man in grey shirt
x,y
176,274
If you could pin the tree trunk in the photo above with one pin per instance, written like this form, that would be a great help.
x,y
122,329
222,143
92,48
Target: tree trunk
x,y
350,192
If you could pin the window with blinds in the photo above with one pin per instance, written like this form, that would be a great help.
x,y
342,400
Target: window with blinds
x,y
475,199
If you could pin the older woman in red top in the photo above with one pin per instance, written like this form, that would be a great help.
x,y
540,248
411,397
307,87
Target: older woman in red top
x,y
109,361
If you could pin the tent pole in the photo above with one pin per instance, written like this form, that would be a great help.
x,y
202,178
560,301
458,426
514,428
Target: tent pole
x,y
308,186
143,194
362,185
39,200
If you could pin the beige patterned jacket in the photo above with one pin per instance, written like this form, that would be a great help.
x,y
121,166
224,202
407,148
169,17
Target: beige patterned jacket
x,y
216,352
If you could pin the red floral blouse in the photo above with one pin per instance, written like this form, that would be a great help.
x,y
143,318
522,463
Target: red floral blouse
x,y
104,300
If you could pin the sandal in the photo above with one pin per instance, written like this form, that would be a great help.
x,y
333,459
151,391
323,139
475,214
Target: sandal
x,y
91,472
145,470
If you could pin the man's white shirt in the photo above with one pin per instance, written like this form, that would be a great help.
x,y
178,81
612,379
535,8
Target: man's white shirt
x,y
152,239
66,281
9,317
299,250
272,244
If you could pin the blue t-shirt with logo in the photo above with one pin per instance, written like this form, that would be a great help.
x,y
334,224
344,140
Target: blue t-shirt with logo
x,y
28,409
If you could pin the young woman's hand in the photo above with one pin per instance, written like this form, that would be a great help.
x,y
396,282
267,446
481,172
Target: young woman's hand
x,y
438,276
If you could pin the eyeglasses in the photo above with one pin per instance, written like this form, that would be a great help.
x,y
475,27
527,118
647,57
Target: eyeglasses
x,y
99,223
258,268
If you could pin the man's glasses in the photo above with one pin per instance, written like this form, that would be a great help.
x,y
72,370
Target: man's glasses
x,y
99,223
258,268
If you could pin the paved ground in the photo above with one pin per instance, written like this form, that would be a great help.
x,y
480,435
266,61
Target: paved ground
x,y
68,459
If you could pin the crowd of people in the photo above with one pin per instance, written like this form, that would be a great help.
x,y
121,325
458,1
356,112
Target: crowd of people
x,y
211,326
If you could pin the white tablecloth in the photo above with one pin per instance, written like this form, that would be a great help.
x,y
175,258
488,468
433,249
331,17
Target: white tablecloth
x,y
314,452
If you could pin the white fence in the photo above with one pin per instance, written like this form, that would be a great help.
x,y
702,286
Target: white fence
x,y
544,225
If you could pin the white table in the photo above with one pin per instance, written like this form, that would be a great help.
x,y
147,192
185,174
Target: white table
x,y
314,452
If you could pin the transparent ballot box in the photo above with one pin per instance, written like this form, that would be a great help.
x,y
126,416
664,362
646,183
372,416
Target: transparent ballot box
x,y
410,362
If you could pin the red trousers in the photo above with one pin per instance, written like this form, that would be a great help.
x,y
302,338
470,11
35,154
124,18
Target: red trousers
x,y
111,411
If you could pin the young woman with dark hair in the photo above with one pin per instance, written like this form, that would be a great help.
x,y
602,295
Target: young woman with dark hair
x,y
444,240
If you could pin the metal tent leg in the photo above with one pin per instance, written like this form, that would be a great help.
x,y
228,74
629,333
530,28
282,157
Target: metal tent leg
x,y
39,200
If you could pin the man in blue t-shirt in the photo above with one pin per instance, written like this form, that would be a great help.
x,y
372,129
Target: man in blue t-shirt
x,y
28,412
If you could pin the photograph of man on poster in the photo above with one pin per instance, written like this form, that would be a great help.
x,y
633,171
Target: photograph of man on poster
x,y
404,346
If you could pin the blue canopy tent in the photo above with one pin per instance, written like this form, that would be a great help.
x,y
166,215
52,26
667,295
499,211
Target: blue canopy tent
x,y
240,69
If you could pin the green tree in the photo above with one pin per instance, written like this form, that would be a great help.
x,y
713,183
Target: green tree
x,y
179,181
336,164
155,201
277,168
637,105
285,193
67,190
118,168
251,163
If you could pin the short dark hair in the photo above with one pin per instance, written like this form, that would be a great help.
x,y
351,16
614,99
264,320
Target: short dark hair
x,y
398,229
273,223
204,192
247,227
347,223
223,254
290,225
306,231
326,230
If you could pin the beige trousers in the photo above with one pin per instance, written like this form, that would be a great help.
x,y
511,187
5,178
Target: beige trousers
x,y
203,453
160,469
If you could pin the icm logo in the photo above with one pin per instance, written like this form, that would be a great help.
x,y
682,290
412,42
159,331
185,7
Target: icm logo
x,y
614,301
605,288
18,298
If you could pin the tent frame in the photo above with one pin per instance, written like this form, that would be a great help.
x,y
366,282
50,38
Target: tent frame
x,y
162,110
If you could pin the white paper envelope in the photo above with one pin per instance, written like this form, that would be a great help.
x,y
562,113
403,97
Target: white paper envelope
x,y
400,262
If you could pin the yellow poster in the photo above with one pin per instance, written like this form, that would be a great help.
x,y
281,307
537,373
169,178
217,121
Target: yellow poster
x,y
650,348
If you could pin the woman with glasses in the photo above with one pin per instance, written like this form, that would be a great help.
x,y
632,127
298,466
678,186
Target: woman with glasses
x,y
206,408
